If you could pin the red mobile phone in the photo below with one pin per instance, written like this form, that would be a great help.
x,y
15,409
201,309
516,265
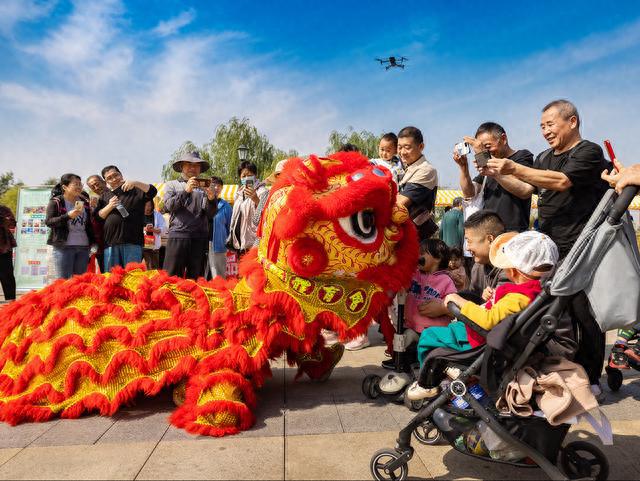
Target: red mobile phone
x,y
612,155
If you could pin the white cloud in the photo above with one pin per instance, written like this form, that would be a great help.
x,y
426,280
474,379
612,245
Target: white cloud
x,y
13,12
87,47
108,98
173,25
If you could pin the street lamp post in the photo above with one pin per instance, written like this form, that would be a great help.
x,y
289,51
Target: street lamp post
x,y
243,152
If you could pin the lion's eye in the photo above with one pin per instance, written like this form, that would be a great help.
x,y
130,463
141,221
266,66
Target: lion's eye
x,y
360,226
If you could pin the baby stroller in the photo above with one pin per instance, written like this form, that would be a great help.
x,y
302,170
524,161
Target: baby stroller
x,y
606,253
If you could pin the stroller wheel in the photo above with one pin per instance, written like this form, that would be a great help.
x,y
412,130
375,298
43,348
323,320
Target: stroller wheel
x,y
383,457
427,433
580,459
370,386
614,378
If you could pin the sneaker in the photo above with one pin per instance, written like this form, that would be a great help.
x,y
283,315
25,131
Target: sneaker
x,y
389,363
417,392
394,382
330,337
358,343
453,372
633,353
618,358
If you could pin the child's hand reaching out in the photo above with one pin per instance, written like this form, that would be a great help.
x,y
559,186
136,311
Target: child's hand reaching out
x,y
456,299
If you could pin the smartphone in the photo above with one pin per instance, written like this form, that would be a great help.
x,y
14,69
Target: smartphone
x,y
79,205
612,155
203,183
249,183
481,160
462,148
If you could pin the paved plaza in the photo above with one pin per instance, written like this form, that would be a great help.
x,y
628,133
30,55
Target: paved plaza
x,y
303,431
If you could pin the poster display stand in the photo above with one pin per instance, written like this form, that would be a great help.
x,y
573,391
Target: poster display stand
x,y
32,267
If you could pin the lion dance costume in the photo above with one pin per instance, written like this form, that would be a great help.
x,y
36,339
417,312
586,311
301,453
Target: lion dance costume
x,y
334,247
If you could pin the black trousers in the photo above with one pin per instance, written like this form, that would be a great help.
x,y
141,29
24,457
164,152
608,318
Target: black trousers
x,y
6,276
185,256
591,340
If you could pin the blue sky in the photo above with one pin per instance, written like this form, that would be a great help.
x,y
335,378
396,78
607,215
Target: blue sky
x,y
88,83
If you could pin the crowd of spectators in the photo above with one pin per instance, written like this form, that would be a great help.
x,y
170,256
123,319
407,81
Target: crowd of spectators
x,y
120,223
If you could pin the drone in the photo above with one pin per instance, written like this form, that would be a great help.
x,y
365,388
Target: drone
x,y
393,62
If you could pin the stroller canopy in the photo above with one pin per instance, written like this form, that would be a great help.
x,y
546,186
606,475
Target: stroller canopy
x,y
605,264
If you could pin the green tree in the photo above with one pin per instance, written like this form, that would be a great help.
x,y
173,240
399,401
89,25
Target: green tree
x,y
51,181
223,149
366,141
10,196
6,181
188,146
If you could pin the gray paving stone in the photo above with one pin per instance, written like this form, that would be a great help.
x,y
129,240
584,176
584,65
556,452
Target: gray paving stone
x,y
7,454
365,417
106,461
84,430
270,419
311,416
217,458
339,456
132,427
23,434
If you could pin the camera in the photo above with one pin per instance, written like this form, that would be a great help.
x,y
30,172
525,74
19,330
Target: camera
x,y
203,183
462,149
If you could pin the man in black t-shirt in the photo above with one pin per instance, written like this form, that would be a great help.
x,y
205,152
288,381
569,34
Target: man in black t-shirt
x,y
121,206
567,180
566,176
502,194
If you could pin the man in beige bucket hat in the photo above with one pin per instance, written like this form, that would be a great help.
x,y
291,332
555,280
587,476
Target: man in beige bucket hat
x,y
191,203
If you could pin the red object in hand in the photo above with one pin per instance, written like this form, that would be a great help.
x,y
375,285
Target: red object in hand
x,y
612,155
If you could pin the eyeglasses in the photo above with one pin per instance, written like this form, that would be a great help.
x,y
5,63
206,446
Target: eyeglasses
x,y
113,175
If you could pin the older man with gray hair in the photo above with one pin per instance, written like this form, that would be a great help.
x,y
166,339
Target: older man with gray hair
x,y
566,178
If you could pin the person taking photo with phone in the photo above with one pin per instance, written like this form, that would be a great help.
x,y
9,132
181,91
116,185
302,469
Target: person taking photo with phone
x,y
71,231
499,193
191,202
243,231
121,208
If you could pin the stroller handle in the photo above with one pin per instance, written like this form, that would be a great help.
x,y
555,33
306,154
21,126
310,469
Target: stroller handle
x,y
621,204
455,311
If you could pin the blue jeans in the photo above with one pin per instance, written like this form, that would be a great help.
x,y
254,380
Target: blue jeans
x,y
121,255
70,260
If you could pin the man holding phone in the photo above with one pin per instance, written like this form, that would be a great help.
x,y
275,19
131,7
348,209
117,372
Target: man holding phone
x,y
566,177
191,203
500,193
